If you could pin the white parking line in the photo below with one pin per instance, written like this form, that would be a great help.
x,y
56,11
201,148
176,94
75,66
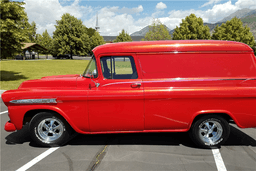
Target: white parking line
x,y
37,159
3,112
218,160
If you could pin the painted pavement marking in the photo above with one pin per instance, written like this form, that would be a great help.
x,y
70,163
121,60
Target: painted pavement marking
x,y
218,160
3,112
37,159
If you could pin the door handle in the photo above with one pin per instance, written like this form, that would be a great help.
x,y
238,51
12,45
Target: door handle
x,y
134,85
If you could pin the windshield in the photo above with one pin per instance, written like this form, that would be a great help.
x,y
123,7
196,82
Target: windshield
x,y
91,69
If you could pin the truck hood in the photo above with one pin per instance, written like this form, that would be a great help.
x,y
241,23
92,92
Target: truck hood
x,y
60,76
52,82
48,87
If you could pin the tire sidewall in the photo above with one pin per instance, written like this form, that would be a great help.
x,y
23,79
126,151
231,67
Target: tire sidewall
x,y
194,132
33,128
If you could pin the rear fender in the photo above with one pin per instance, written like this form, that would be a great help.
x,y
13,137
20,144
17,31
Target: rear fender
x,y
218,112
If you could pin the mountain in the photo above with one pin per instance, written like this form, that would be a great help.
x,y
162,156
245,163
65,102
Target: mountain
x,y
239,14
143,31
247,16
250,21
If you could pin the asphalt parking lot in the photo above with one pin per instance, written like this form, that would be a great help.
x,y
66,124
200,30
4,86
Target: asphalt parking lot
x,y
129,152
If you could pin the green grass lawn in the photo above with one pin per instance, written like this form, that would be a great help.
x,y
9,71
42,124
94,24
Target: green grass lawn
x,y
13,73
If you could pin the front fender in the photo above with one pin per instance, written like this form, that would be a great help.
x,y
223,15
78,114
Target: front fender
x,y
17,113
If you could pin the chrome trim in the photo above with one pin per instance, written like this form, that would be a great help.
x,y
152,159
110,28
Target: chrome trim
x,y
49,130
195,79
32,101
210,132
188,52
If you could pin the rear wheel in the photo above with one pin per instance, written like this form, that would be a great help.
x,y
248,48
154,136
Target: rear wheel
x,y
48,129
209,131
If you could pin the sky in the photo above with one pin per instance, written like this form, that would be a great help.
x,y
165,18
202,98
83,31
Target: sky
x,y
130,15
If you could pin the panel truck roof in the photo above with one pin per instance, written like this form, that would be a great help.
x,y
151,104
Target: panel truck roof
x,y
173,46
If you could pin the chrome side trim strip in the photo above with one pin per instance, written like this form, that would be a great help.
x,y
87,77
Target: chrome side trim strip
x,y
33,101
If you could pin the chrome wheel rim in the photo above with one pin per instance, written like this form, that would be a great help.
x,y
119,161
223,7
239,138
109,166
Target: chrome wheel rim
x,y
210,132
50,130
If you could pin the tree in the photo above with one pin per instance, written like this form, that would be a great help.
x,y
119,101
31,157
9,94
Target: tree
x,y
44,40
39,39
90,31
233,30
70,36
96,40
157,31
191,28
13,26
123,37
32,32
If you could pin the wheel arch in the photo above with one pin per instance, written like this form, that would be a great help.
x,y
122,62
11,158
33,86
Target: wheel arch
x,y
31,113
222,113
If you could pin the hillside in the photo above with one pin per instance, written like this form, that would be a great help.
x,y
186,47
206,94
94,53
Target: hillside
x,y
247,16
250,21
239,14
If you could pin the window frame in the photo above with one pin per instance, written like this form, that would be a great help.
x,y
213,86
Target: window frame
x,y
112,66
87,67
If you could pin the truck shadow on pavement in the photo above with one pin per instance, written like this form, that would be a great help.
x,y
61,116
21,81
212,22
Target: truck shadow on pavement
x,y
236,138
19,137
11,76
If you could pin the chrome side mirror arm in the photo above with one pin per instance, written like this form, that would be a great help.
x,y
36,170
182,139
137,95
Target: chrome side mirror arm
x,y
96,84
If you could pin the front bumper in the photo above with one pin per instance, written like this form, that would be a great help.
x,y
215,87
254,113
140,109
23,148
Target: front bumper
x,y
9,127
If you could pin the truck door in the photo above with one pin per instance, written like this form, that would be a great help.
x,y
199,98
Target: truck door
x,y
116,99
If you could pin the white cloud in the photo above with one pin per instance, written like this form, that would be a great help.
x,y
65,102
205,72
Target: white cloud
x,y
210,2
220,11
157,14
213,15
113,19
125,10
161,6
246,4
45,13
111,23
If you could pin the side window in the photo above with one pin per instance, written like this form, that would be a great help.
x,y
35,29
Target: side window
x,y
106,67
91,69
123,66
118,67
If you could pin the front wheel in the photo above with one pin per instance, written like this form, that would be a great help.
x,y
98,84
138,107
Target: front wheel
x,y
210,131
48,129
